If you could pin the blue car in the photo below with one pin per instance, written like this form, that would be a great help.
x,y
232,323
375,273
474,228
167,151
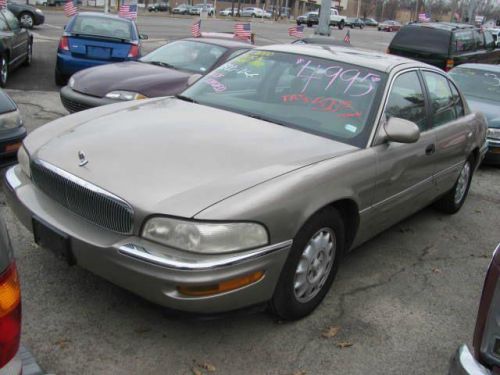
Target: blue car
x,y
92,39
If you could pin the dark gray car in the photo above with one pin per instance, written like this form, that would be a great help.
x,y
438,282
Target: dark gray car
x,y
27,15
12,131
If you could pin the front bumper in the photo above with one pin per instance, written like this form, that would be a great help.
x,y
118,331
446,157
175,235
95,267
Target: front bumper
x,y
38,19
74,101
9,144
464,363
136,264
493,154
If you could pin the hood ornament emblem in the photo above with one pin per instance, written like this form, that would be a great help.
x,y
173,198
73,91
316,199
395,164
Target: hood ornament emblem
x,y
83,158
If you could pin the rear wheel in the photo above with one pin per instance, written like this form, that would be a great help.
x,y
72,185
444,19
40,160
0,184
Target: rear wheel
x,y
454,199
29,54
60,79
311,266
4,71
26,20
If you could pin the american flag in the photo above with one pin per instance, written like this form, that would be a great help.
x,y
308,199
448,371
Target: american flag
x,y
128,11
196,29
3,4
422,17
296,31
243,31
347,38
70,8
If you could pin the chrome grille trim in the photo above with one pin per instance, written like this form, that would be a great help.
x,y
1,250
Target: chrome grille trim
x,y
83,198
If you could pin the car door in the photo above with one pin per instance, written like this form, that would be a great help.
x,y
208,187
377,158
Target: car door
x,y
19,45
404,170
450,127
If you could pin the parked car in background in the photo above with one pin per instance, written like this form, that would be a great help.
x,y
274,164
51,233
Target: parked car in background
x,y
42,2
495,33
16,45
10,308
223,213
354,22
444,44
229,12
27,15
484,359
158,7
182,9
253,12
312,19
336,19
196,9
302,20
165,71
389,25
91,39
370,22
322,40
480,84
12,131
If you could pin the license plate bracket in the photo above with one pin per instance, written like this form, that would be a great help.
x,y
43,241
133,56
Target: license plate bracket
x,y
50,238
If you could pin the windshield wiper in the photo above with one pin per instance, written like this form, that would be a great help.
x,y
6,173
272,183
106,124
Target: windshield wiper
x,y
267,119
163,64
186,98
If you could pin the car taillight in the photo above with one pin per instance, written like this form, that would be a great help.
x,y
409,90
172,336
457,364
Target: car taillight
x,y
134,51
449,65
64,43
10,314
487,332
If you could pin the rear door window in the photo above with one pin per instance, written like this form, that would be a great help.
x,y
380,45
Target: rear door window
x,y
464,41
442,102
479,39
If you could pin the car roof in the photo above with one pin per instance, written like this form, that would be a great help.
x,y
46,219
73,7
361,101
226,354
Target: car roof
x,y
322,40
223,42
490,67
103,15
448,26
356,56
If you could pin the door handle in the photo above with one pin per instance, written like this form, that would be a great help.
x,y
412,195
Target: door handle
x,y
430,149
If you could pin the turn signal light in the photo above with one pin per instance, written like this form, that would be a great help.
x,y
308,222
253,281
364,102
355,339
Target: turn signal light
x,y
449,65
134,51
10,314
13,147
225,286
64,43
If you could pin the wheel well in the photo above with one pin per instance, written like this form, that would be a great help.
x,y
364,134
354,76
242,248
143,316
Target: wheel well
x,y
475,155
350,214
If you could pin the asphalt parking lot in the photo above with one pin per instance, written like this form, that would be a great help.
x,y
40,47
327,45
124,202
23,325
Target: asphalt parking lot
x,y
403,301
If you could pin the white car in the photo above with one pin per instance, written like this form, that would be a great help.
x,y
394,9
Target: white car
x,y
41,2
228,12
253,12
336,19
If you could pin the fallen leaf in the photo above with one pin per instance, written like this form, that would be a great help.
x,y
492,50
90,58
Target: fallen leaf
x,y
436,270
62,343
207,366
299,373
142,330
344,344
196,371
330,332
478,211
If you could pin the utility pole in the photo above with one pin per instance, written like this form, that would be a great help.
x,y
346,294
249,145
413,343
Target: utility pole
x,y
359,6
106,6
324,18
471,11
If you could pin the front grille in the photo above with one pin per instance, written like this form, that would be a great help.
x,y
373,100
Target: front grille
x,y
84,199
73,106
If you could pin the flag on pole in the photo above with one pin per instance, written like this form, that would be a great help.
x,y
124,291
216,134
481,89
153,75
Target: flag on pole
x,y
70,8
296,31
422,17
128,11
457,16
3,4
347,38
243,31
196,29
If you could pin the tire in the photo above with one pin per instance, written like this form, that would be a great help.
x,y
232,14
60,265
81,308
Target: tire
x,y
27,20
341,25
319,267
309,24
60,79
453,200
361,27
4,71
29,54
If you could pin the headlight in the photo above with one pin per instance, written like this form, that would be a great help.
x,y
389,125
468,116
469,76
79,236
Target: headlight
x,y
202,237
38,11
71,82
125,95
24,161
493,133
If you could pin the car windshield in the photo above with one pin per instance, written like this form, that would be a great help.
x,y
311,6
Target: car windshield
x,y
324,97
102,27
479,83
186,55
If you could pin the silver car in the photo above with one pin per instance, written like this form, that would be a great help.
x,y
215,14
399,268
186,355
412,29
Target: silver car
x,y
253,184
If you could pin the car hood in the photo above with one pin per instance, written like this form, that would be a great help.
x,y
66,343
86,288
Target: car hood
x,y
149,80
488,107
174,157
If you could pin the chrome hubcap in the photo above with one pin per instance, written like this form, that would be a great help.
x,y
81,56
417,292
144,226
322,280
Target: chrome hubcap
x,y
26,20
463,181
314,265
4,71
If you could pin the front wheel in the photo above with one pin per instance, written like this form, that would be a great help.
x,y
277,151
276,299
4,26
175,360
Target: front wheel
x,y
60,79
29,54
341,25
454,199
26,20
311,266
4,71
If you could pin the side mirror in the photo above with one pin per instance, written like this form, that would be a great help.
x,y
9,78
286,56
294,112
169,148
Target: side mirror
x,y
64,27
401,130
193,79
143,37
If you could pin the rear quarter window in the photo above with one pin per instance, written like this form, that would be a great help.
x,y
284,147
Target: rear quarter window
x,y
463,41
424,39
